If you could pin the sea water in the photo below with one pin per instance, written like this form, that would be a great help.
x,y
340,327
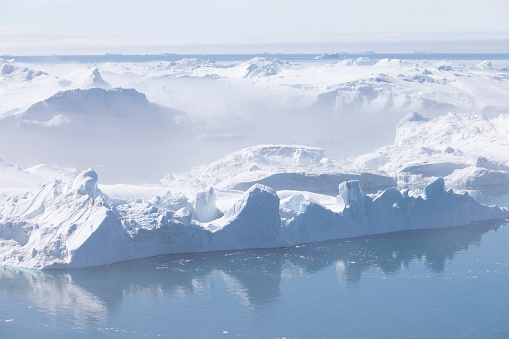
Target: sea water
x,y
442,283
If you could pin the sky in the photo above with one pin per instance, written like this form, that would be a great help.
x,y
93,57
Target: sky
x,y
155,26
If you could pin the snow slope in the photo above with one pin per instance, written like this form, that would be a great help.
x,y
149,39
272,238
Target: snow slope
x,y
14,179
76,225
12,176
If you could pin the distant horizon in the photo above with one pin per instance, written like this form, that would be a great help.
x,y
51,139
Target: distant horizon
x,y
171,56
478,42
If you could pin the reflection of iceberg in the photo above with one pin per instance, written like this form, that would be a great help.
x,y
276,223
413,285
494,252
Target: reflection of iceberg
x,y
253,275
56,294
393,252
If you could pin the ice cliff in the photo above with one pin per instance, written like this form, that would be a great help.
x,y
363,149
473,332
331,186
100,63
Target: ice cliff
x,y
73,225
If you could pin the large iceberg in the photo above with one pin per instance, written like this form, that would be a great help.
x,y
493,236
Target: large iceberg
x,y
96,103
282,167
74,225
468,150
118,129
261,196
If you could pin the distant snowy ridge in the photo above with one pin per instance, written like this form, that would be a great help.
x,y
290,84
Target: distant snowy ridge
x,y
398,85
105,127
385,94
76,225
188,65
10,71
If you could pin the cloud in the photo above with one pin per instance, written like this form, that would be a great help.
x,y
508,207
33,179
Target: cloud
x,y
13,29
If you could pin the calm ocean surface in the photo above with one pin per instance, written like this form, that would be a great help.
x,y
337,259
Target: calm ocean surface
x,y
448,283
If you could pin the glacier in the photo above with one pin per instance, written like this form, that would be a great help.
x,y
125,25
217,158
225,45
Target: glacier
x,y
75,225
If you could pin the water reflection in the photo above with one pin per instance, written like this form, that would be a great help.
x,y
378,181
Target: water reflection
x,y
254,275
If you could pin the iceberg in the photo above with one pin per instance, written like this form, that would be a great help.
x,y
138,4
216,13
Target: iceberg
x,y
282,167
468,150
75,225
118,130
261,67
97,103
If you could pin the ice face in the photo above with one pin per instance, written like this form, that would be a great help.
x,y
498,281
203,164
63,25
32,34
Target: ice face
x,y
352,195
436,189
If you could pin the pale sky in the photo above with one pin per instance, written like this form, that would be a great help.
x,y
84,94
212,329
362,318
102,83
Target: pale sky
x,y
154,26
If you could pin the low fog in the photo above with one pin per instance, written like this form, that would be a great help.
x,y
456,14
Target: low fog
x,y
158,118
